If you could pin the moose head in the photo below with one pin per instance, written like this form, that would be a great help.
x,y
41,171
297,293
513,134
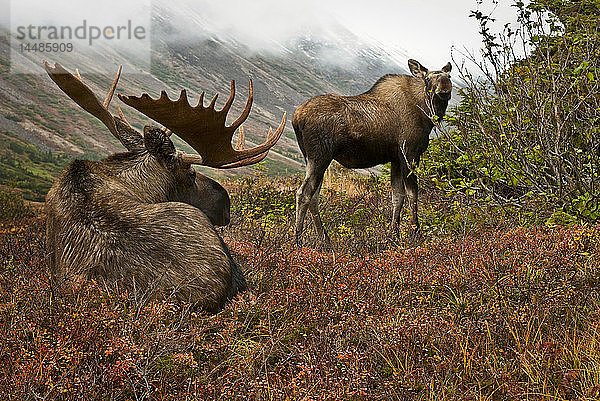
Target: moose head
x,y
438,85
203,128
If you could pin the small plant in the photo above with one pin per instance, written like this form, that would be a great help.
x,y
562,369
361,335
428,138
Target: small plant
x,y
12,206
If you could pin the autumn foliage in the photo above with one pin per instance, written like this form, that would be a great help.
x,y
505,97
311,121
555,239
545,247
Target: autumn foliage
x,y
483,309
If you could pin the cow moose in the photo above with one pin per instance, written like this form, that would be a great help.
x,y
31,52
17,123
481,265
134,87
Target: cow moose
x,y
144,219
391,122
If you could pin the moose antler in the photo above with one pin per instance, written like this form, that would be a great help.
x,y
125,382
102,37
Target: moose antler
x,y
83,95
204,128
74,87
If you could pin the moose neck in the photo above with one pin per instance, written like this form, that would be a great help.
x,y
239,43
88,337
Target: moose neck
x,y
142,176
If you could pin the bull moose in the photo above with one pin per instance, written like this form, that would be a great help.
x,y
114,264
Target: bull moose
x,y
145,218
391,122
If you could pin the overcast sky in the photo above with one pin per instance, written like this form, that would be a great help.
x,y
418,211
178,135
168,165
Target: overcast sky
x,y
426,29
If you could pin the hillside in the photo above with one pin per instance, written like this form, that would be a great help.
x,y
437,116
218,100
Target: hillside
x,y
34,111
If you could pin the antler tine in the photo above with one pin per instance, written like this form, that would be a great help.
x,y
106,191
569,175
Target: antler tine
x,y
246,111
111,92
122,117
213,101
229,101
188,158
245,162
200,100
182,96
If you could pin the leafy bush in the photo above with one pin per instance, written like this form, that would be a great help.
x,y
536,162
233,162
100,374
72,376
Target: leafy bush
x,y
529,126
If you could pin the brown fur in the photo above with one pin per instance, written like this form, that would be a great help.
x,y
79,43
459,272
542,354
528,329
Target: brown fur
x,y
134,219
388,123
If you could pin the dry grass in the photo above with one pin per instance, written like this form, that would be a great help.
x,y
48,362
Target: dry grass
x,y
484,309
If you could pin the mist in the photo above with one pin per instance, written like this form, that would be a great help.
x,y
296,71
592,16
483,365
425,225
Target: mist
x,y
427,30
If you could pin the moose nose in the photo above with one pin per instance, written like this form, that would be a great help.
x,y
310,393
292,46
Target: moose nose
x,y
444,94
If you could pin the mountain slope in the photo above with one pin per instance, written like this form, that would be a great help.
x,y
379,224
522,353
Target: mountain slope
x,y
33,109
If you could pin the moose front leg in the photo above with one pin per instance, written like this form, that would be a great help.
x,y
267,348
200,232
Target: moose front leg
x,y
412,189
398,195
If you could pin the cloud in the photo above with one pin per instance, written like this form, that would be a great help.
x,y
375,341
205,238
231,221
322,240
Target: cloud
x,y
425,29
261,25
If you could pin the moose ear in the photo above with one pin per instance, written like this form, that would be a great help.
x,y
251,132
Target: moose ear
x,y
129,137
157,143
447,67
417,69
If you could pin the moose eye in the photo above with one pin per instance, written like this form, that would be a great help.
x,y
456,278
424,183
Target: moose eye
x,y
192,174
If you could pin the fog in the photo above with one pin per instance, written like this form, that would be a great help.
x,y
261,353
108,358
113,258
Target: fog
x,y
424,29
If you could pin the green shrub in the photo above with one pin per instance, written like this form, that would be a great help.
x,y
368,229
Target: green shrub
x,y
12,206
527,127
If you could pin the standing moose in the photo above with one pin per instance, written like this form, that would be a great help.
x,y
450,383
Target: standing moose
x,y
145,218
391,122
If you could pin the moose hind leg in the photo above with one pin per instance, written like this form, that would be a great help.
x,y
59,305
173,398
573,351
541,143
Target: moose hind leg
x,y
305,194
313,207
398,194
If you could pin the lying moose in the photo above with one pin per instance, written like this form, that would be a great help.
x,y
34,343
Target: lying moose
x,y
145,218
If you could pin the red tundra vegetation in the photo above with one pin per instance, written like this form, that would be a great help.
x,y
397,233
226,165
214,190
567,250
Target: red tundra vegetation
x,y
488,307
